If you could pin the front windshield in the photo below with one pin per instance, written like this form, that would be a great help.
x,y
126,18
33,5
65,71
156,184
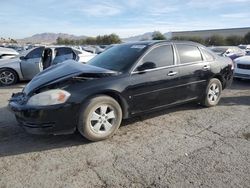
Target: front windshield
x,y
119,57
242,47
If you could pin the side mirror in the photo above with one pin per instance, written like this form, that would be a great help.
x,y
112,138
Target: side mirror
x,y
146,66
23,58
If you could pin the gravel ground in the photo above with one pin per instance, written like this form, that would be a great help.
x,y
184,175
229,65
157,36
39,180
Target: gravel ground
x,y
186,146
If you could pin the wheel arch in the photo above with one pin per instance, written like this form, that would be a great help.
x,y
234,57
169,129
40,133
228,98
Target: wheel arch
x,y
117,96
221,79
8,68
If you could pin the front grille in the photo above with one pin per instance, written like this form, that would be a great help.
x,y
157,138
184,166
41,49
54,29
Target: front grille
x,y
243,66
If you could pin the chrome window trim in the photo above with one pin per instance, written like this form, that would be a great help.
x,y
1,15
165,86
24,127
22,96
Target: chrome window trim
x,y
158,68
166,67
193,62
176,59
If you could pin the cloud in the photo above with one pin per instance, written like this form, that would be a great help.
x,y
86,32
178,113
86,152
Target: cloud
x,y
215,4
156,11
236,15
101,9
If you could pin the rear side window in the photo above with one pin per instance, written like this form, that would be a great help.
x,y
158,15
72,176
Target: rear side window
x,y
63,54
208,56
63,51
161,56
188,53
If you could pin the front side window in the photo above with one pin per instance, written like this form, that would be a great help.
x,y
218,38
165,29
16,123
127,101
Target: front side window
x,y
188,53
161,56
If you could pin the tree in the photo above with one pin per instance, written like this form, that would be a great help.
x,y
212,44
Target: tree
x,y
13,41
234,40
114,39
59,40
247,38
157,35
105,39
215,40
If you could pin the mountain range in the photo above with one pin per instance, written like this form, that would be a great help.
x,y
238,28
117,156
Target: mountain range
x,y
50,38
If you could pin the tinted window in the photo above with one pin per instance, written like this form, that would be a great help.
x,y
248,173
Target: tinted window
x,y
63,51
161,56
208,56
118,58
36,53
188,53
63,54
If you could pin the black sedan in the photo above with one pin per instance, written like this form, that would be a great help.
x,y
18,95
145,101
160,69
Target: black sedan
x,y
124,81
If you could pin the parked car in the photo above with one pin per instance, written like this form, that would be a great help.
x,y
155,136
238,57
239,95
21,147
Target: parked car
x,y
7,53
26,66
122,82
242,67
228,51
246,48
84,56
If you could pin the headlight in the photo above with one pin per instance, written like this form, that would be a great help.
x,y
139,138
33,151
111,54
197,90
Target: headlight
x,y
51,97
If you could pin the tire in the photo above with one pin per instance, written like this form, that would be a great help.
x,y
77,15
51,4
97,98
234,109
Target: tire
x,y
99,118
213,93
8,77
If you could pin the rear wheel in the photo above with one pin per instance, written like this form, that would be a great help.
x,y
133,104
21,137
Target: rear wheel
x,y
213,93
8,77
100,117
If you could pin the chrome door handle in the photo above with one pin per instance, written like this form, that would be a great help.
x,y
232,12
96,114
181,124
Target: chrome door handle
x,y
206,67
171,73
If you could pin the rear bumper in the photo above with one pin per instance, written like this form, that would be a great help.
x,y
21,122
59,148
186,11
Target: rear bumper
x,y
56,119
244,76
242,73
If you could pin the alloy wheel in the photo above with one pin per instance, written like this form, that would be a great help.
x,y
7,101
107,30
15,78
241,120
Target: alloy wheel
x,y
213,93
7,77
102,119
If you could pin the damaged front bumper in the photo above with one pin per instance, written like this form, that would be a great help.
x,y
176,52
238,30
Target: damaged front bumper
x,y
54,119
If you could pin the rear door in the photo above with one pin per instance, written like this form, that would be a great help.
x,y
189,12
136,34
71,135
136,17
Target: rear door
x,y
32,63
155,87
194,71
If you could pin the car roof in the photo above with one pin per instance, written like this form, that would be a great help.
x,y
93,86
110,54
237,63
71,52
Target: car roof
x,y
155,42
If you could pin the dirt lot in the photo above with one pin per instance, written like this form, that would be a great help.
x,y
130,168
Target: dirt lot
x,y
187,146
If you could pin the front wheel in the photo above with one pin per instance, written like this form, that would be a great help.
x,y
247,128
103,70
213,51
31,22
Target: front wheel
x,y
213,93
99,118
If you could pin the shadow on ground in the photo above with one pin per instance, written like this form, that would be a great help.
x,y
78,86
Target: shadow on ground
x,y
14,140
240,84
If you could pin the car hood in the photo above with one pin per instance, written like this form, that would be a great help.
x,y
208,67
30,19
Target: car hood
x,y
63,71
243,60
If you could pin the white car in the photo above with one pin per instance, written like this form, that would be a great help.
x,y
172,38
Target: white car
x,y
25,67
84,56
7,53
245,47
242,67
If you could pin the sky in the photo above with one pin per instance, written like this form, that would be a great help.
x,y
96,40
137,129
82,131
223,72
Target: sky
x,y
23,18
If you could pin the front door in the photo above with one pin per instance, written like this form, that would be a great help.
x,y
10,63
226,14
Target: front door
x,y
31,64
155,87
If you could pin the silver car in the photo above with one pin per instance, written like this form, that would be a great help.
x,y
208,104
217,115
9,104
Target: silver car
x,y
25,67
